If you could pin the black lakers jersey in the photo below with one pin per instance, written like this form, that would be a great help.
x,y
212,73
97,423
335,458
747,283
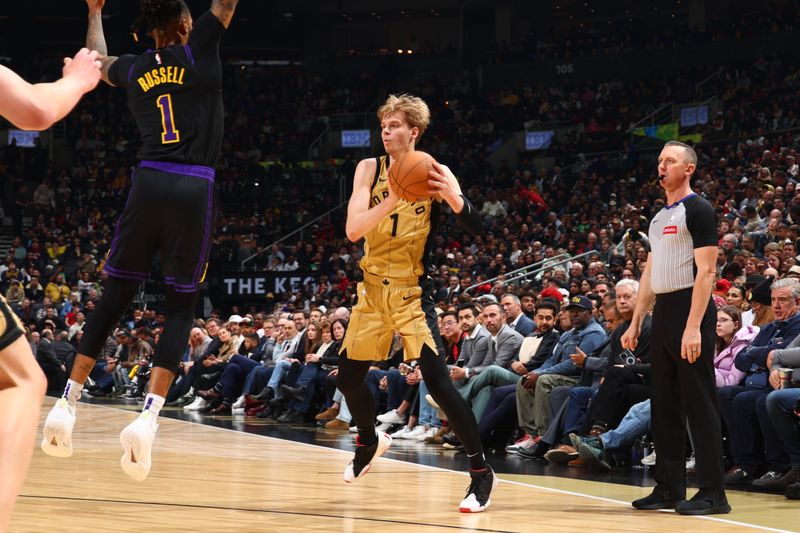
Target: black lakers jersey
x,y
396,247
175,95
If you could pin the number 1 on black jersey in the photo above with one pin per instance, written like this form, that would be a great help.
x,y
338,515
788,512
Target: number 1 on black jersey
x,y
170,133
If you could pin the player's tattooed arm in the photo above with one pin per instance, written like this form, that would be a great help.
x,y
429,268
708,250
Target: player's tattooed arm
x,y
223,10
96,39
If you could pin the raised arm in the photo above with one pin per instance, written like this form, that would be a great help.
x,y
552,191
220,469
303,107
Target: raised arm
x,y
223,10
96,40
37,107
360,216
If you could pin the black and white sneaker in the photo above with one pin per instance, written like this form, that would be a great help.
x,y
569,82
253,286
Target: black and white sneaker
x,y
479,491
364,456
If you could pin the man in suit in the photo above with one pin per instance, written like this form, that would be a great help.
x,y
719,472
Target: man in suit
x,y
53,369
474,347
515,318
504,345
65,352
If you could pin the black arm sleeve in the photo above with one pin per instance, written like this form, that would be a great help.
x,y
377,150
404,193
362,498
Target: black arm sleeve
x,y
470,218
206,32
119,73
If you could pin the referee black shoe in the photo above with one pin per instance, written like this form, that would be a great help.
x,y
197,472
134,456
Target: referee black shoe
x,y
704,503
479,491
658,499
364,456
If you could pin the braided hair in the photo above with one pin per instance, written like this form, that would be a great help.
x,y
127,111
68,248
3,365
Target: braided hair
x,y
155,14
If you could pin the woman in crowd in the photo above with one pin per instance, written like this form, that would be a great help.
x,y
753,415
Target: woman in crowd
x,y
732,336
761,303
312,374
737,297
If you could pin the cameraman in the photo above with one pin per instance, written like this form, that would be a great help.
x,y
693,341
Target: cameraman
x,y
626,380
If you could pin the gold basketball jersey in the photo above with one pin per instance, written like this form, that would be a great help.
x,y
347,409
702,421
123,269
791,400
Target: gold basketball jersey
x,y
394,247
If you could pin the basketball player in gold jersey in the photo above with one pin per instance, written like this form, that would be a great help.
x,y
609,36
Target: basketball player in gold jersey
x,y
396,295
22,384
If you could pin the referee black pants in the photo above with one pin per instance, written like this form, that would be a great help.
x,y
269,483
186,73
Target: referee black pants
x,y
680,390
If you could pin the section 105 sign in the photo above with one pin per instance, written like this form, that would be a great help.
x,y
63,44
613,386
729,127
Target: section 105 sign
x,y
538,140
356,139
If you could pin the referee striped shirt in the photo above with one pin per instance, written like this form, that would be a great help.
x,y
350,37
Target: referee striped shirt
x,y
674,234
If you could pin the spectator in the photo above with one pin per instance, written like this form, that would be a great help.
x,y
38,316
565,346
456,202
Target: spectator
x,y
515,318
744,405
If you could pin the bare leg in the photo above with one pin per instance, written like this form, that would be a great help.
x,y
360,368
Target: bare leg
x,y
160,381
81,368
22,388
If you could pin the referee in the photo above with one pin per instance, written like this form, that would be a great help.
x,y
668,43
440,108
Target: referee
x,y
679,276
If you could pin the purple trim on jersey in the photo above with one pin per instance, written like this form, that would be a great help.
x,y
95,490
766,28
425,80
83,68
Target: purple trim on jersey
x,y
125,274
188,51
197,171
180,287
169,280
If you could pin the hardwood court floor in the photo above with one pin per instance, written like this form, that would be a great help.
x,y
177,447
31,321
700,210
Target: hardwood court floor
x,y
210,479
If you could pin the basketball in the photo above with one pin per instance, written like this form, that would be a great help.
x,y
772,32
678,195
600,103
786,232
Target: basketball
x,y
409,176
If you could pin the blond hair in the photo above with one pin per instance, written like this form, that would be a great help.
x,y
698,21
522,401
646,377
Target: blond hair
x,y
414,109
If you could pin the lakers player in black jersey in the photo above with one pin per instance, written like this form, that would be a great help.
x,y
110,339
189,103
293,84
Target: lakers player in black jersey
x,y
174,94
396,294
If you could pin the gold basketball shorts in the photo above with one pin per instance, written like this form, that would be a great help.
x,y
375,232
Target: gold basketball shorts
x,y
386,305
11,327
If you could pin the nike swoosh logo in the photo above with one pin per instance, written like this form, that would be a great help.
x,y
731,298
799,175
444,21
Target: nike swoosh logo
x,y
408,297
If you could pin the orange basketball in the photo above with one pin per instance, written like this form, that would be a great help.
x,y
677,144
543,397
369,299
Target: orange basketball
x,y
409,176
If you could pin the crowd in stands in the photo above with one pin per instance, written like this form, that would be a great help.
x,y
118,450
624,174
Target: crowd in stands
x,y
538,359
620,33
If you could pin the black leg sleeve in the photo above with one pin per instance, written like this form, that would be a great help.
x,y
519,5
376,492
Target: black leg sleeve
x,y
351,380
459,414
117,296
179,309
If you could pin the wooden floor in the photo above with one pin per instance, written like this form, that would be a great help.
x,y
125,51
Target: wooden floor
x,y
210,479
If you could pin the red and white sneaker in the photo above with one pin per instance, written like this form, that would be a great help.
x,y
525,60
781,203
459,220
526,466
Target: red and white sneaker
x,y
479,492
361,463
524,442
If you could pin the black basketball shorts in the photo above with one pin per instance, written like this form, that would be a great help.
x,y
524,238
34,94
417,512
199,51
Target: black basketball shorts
x,y
170,210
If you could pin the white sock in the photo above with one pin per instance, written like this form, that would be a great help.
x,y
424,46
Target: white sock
x,y
153,403
72,392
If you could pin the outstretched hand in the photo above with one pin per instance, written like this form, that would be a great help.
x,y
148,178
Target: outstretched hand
x,y
83,69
